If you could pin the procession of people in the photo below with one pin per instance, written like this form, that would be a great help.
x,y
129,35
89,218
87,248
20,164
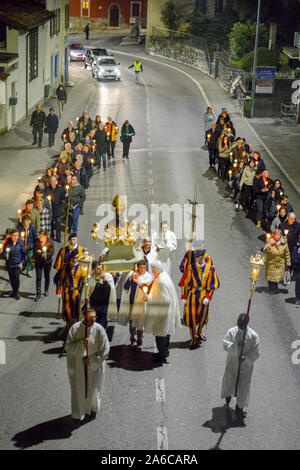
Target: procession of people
x,y
145,300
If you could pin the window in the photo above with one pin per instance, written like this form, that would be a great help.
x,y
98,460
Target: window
x,y
57,23
135,9
2,35
67,16
85,7
56,65
33,54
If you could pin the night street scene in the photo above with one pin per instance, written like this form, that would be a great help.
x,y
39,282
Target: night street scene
x,y
150,228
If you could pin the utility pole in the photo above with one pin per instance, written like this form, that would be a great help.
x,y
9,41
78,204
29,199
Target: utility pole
x,y
255,59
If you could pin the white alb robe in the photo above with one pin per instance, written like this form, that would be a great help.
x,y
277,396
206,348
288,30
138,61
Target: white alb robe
x,y
232,345
163,255
151,257
136,311
97,351
162,313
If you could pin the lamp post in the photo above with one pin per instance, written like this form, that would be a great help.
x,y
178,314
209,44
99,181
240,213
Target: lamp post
x,y
255,59
256,262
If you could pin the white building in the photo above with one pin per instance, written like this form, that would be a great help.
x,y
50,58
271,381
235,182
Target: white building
x,y
33,55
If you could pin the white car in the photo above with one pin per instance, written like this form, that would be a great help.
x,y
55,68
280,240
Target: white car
x,y
106,68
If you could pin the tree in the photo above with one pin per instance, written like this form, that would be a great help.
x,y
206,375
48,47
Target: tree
x,y
242,38
172,15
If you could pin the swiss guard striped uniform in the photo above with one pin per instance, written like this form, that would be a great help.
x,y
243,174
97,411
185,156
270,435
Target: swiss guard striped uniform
x,y
200,282
59,259
184,265
70,280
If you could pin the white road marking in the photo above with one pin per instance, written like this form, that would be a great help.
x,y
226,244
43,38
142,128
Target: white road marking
x,y
162,438
160,390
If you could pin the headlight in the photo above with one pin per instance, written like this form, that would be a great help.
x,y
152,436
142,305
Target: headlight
x,y
118,73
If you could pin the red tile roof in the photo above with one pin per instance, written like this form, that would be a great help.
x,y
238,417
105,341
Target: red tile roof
x,y
23,14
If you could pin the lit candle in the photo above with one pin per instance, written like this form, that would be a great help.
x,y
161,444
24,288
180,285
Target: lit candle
x,y
64,137
22,235
92,161
1,246
230,174
268,236
266,183
77,119
7,252
19,211
286,232
108,134
145,289
278,207
256,163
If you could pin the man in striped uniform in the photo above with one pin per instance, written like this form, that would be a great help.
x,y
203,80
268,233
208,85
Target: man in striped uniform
x,y
200,280
73,246
190,259
69,281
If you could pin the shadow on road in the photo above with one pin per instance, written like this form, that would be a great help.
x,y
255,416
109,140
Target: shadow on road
x,y
223,418
180,345
53,315
59,428
126,358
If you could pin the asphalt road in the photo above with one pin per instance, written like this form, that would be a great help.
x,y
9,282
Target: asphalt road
x,y
178,405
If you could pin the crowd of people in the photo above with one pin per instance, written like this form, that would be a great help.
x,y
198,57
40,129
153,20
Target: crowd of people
x,y
258,195
145,299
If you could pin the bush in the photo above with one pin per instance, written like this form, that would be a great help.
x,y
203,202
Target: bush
x,y
172,15
265,57
242,38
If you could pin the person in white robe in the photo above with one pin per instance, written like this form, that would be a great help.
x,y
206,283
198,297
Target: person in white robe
x,y
100,290
148,251
133,302
98,349
165,242
232,344
162,313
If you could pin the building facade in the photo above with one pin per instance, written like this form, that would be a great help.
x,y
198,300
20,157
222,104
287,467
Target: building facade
x,y
33,55
102,14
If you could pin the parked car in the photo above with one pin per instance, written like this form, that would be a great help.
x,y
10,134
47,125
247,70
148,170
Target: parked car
x,y
93,53
76,51
105,68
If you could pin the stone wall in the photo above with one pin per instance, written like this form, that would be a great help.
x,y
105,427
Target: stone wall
x,y
226,73
179,52
79,23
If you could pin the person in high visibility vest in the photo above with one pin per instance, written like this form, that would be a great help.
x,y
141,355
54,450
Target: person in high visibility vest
x,y
138,68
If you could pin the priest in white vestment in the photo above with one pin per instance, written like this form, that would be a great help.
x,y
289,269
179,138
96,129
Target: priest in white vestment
x,y
232,344
98,349
165,242
133,302
162,313
148,251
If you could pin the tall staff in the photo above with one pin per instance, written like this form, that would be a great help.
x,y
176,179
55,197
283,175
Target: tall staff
x,y
257,262
194,204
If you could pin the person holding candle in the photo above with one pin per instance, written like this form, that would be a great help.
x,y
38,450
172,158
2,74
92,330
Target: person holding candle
x,y
261,187
225,148
272,208
149,251
246,184
127,132
72,140
133,302
278,259
45,214
279,219
66,132
112,131
212,136
32,213
43,252
15,256
68,152
80,131
200,280
292,228
28,236
208,119
62,164
258,161
57,205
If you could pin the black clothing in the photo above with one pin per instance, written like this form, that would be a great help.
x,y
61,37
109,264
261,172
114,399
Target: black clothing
x,y
212,145
61,93
101,141
292,236
52,123
41,260
37,119
14,279
100,295
162,344
57,199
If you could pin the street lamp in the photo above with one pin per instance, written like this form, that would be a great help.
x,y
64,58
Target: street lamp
x,y
255,59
